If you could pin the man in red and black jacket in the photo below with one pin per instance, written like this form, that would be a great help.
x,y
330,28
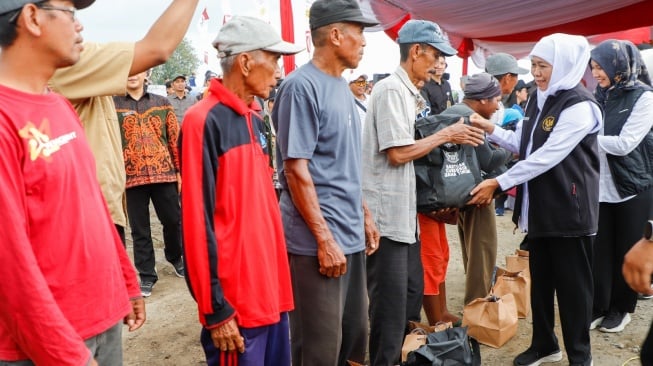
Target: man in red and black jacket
x,y
234,246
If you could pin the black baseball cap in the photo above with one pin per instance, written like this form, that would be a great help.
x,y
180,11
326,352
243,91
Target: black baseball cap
x,y
325,12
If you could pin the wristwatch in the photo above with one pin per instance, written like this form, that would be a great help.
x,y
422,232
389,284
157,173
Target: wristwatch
x,y
648,230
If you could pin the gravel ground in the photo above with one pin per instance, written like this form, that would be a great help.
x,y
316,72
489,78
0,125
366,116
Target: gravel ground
x,y
171,333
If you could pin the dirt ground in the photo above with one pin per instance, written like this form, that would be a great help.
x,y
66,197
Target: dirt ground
x,y
171,333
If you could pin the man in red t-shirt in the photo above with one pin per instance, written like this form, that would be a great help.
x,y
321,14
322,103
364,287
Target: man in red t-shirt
x,y
67,282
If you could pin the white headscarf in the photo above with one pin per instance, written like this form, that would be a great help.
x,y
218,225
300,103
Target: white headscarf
x,y
569,55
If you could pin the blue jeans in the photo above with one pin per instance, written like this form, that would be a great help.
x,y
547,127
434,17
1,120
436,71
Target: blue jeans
x,y
264,346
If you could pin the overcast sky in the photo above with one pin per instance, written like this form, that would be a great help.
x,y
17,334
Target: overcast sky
x,y
129,20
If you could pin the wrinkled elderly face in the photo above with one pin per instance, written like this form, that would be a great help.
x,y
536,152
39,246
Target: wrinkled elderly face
x,y
263,72
351,44
424,62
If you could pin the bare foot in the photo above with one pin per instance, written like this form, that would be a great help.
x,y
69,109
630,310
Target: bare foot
x,y
448,317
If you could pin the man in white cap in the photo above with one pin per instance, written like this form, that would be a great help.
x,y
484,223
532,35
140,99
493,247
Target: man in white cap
x,y
67,282
394,272
235,252
358,86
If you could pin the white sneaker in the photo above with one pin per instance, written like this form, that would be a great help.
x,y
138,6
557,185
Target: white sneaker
x,y
596,322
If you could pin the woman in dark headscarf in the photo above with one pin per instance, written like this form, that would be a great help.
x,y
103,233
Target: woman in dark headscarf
x,y
625,194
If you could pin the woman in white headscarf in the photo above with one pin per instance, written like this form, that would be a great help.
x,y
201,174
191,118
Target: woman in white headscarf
x,y
557,183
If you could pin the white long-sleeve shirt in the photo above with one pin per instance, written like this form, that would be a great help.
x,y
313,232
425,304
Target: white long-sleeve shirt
x,y
638,124
573,125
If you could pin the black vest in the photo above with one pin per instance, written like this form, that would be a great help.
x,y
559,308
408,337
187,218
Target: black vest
x,y
632,173
564,201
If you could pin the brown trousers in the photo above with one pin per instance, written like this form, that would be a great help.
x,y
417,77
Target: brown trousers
x,y
477,230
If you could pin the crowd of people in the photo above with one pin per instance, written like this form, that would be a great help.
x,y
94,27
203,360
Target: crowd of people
x,y
296,226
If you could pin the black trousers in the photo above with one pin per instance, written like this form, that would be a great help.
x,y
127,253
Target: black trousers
x,y
165,198
329,323
620,226
395,283
646,355
121,234
562,266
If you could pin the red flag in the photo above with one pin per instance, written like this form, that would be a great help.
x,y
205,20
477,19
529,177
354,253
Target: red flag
x,y
204,17
287,33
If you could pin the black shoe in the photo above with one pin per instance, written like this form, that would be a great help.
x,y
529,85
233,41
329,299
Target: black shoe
x,y
589,362
524,243
179,268
615,322
531,357
146,288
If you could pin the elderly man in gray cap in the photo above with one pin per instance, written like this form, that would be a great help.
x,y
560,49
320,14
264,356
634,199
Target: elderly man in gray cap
x,y
67,282
394,272
327,232
234,247
504,67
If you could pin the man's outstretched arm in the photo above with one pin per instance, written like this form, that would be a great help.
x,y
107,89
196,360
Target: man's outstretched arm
x,y
164,36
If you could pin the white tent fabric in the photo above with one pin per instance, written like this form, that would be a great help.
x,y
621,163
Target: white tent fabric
x,y
512,26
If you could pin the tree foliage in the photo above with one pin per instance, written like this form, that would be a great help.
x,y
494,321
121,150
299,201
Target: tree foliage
x,y
183,61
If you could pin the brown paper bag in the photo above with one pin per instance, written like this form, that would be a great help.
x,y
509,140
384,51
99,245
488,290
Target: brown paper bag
x,y
518,262
518,285
413,340
491,320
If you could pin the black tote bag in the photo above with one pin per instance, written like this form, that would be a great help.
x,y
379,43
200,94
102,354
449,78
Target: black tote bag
x,y
446,175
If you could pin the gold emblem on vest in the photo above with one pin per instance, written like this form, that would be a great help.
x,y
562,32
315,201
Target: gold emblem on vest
x,y
548,123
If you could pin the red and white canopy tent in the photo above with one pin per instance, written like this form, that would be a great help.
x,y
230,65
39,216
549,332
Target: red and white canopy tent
x,y
478,28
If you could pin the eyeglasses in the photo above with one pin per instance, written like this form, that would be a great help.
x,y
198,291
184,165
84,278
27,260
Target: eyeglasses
x,y
360,82
69,10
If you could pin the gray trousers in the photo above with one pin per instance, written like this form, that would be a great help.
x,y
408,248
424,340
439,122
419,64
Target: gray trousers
x,y
105,347
329,323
